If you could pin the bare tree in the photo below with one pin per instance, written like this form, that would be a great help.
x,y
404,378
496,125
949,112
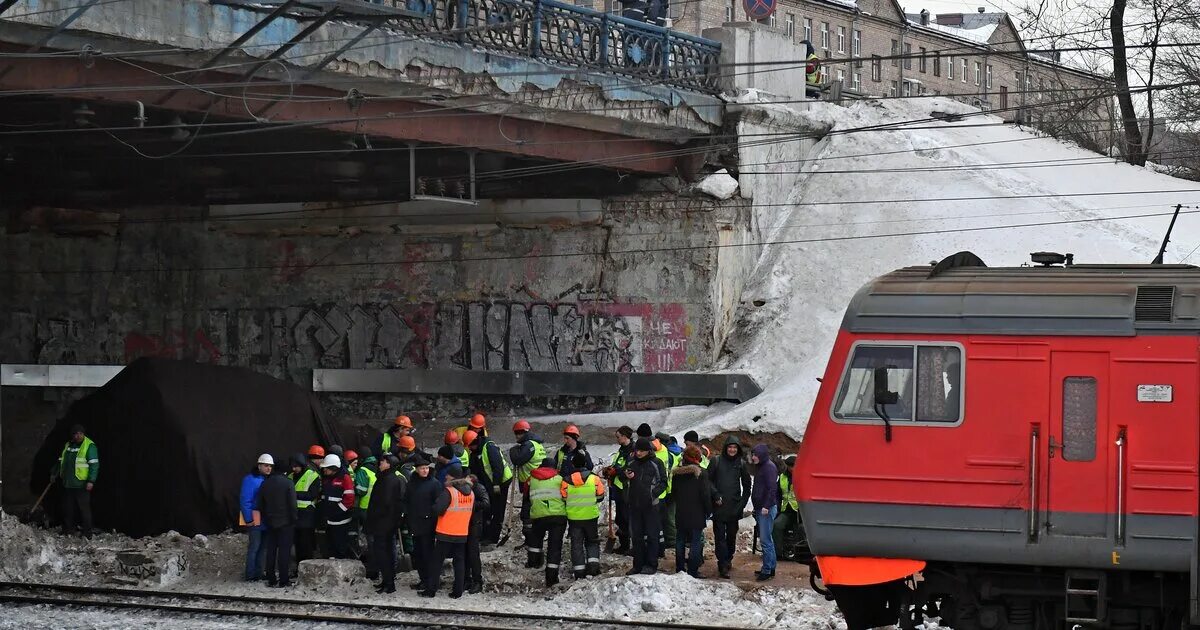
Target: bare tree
x,y
1135,151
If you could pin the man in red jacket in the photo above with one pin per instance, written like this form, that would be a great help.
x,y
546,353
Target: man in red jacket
x,y
338,488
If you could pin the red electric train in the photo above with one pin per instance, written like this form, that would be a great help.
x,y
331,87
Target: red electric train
x,y
1010,448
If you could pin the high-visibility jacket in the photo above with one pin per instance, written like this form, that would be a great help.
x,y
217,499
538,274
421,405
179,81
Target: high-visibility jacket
x,y
385,445
539,453
583,497
487,463
545,496
456,520
364,484
619,461
303,483
86,466
668,462
812,70
464,458
787,498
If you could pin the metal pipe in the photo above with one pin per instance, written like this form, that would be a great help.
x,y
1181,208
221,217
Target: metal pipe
x,y
1033,498
1121,487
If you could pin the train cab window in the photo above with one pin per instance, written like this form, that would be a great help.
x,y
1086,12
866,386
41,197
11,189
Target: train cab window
x,y
1079,419
926,379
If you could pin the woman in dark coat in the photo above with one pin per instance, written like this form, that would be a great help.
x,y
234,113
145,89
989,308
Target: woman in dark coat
x,y
693,500
383,519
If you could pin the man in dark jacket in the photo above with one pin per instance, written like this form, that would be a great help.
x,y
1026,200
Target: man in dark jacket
x,y
447,464
617,487
692,494
383,519
526,456
766,506
423,490
479,516
307,480
275,508
565,457
492,471
645,480
730,491
338,489
789,514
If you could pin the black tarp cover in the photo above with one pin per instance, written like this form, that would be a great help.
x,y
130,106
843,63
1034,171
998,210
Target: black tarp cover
x,y
175,439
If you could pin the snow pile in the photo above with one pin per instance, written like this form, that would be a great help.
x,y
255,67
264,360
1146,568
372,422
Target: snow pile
x,y
719,185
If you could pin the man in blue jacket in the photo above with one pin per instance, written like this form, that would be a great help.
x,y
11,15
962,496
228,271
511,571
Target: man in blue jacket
x,y
765,498
255,551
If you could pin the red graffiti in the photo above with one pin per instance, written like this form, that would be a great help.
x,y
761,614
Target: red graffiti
x,y
292,266
420,321
175,344
664,332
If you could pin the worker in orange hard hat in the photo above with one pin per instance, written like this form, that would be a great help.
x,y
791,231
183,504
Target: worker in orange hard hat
x,y
493,472
478,422
401,427
454,441
566,453
526,456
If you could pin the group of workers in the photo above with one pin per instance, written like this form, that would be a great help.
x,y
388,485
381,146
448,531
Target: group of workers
x,y
452,504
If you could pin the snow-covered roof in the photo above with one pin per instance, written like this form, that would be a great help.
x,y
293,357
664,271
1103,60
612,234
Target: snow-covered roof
x,y
975,36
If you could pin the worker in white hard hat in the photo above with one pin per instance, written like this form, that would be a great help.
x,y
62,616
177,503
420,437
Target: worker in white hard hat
x,y
255,551
338,490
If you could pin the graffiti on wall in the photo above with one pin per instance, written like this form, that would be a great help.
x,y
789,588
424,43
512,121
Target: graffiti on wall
x,y
493,335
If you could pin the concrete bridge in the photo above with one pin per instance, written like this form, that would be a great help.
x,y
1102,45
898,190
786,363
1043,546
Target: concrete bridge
x,y
136,102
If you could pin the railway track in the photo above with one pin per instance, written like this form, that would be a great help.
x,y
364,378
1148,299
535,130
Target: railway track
x,y
332,612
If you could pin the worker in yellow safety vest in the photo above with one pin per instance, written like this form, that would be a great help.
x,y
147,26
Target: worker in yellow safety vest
x,y
584,492
526,456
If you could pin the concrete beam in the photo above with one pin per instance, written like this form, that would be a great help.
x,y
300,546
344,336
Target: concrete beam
x,y
116,82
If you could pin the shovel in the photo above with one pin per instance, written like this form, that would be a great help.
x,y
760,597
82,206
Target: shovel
x,y
29,515
611,543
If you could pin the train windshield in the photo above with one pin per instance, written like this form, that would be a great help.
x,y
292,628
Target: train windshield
x,y
928,393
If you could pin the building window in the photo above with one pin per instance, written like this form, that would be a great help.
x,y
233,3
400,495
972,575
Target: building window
x,y
790,25
825,35
908,56
1003,97
730,10
856,81
1079,418
950,68
772,21
1041,87
908,91
989,76
808,30
921,64
841,39
964,70
856,49
841,77
937,64
978,73
893,90
876,68
895,52
924,380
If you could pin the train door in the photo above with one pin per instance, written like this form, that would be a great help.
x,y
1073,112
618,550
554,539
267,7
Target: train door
x,y
1077,465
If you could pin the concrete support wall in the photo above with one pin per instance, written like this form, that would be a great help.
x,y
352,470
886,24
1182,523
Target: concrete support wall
x,y
747,43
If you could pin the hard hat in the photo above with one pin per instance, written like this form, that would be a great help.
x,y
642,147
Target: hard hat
x,y
266,458
452,437
469,437
316,451
407,443
351,456
403,421
331,461
521,425
478,421
572,431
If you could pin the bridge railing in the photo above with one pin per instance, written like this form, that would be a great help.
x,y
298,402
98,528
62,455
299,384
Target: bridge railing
x,y
565,33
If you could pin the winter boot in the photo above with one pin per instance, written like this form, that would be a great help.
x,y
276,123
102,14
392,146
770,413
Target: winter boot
x,y
579,574
534,559
634,571
476,587
723,570
593,568
551,576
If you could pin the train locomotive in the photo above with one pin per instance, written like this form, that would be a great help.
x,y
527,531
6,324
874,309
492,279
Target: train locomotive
x,y
1010,448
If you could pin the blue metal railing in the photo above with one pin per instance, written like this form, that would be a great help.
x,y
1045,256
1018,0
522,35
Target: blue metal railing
x,y
561,32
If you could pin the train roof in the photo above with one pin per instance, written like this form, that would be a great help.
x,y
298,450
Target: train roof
x,y
1103,300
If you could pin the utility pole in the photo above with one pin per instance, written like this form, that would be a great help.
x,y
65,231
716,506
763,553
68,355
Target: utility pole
x,y
1158,260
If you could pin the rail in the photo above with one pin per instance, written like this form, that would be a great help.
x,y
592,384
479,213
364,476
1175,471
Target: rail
x,y
564,33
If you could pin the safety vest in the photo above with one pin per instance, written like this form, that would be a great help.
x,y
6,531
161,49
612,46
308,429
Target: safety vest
x,y
788,498
82,465
545,496
487,464
539,453
465,459
457,518
385,444
303,484
365,500
668,461
581,497
619,463
812,70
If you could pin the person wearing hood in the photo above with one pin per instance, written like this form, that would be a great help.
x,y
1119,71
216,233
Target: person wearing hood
x,y
447,464
692,494
789,511
730,478
617,485
565,456
306,480
383,515
275,508
490,469
548,513
525,457
666,506
338,490
423,490
453,508
645,482
765,499
584,492
255,551
479,516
